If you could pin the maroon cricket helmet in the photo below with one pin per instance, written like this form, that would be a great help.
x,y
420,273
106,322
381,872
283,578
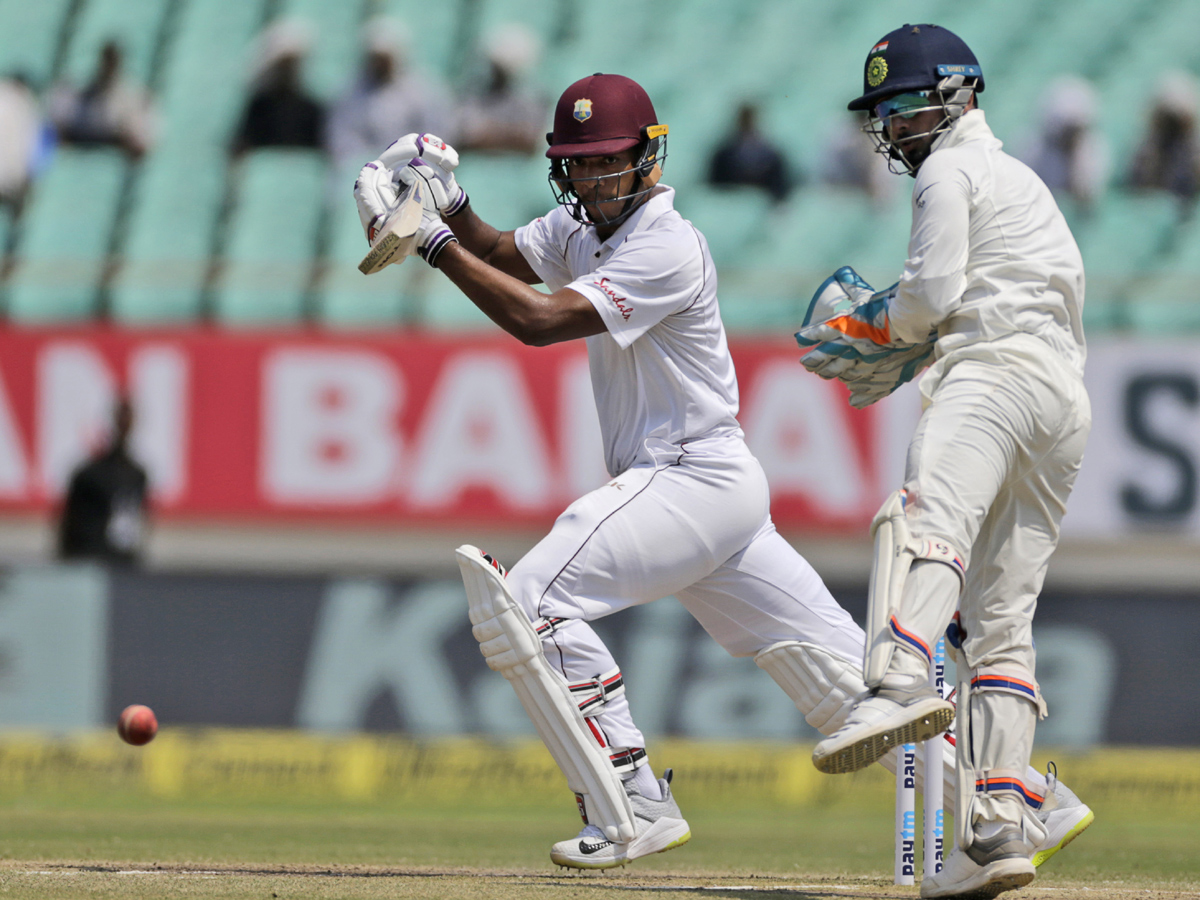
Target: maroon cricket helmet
x,y
600,115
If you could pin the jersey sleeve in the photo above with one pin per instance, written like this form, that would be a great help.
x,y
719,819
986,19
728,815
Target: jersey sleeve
x,y
649,277
936,269
543,243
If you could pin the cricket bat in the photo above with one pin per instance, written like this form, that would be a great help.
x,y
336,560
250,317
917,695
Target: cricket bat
x,y
397,237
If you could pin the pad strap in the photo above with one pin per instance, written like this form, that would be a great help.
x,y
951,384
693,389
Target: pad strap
x,y
997,781
593,694
1010,679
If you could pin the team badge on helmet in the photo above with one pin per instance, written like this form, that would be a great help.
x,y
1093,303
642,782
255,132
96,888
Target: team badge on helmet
x,y
583,110
877,71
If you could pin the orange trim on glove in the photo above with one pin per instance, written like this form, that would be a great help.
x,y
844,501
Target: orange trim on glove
x,y
857,328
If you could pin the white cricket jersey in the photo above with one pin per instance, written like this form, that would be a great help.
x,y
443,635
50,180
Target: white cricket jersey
x,y
990,253
662,370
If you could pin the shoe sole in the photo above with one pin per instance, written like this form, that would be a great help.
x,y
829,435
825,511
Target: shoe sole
x,y
1042,855
664,835
871,748
995,884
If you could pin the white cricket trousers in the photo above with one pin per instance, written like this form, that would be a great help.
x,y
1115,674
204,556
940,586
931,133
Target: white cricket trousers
x,y
989,470
696,525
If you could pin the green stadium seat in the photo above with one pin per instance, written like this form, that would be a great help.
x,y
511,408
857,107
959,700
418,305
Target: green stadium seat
x,y
30,37
1162,299
1118,243
756,301
445,308
816,232
336,54
205,78
271,238
731,220
66,235
434,42
506,190
133,24
169,240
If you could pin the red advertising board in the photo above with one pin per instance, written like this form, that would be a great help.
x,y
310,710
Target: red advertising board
x,y
404,428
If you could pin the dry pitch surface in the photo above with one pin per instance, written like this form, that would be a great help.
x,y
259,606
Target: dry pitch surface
x,y
70,880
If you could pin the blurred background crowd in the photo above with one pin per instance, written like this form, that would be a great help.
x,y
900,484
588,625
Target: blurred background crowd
x,y
179,161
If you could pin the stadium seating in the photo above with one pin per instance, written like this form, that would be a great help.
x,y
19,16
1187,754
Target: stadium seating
x,y
65,237
346,297
188,233
271,238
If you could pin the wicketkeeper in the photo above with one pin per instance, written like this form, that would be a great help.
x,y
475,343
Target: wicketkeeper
x,y
991,294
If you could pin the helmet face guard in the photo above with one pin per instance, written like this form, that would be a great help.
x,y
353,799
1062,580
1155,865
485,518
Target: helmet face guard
x,y
574,192
951,96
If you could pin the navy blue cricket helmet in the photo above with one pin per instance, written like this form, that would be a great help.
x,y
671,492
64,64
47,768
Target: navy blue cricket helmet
x,y
915,58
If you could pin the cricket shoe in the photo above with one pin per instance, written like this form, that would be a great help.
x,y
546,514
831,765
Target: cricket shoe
x,y
1064,822
990,866
885,719
659,824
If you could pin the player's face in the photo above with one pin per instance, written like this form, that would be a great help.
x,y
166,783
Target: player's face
x,y
909,121
603,182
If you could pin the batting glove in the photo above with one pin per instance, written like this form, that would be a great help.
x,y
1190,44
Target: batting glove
x,y
433,236
440,157
448,197
376,194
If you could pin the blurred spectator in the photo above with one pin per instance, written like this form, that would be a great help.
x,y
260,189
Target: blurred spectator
x,y
388,100
851,161
281,113
110,109
746,157
504,114
1168,157
104,514
24,139
1069,153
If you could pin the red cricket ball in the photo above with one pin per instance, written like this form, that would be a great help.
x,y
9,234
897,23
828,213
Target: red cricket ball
x,y
137,725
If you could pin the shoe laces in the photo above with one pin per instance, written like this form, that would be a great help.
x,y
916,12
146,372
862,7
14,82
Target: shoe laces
x,y
1051,775
591,831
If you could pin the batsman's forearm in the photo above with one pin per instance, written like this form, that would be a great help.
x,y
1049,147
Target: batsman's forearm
x,y
473,233
525,313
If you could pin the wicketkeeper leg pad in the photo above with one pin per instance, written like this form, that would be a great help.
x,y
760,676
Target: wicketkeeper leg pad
x,y
823,686
511,646
998,707
895,552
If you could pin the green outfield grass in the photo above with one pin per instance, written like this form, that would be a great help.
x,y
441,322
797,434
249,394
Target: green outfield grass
x,y
262,814
56,847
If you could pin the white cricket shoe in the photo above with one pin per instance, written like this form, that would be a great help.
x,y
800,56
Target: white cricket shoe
x,y
886,719
659,823
990,867
1064,822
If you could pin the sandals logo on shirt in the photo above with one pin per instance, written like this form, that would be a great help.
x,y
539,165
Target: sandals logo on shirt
x,y
622,303
583,110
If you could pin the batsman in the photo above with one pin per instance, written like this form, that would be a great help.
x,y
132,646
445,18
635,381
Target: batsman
x,y
991,294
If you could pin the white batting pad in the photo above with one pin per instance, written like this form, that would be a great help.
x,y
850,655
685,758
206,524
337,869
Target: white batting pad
x,y
511,647
889,566
823,686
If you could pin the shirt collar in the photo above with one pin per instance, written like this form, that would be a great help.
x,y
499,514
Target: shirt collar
x,y
661,200
972,126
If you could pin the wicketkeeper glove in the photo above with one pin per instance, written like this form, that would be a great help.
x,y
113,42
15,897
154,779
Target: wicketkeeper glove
x,y
846,327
